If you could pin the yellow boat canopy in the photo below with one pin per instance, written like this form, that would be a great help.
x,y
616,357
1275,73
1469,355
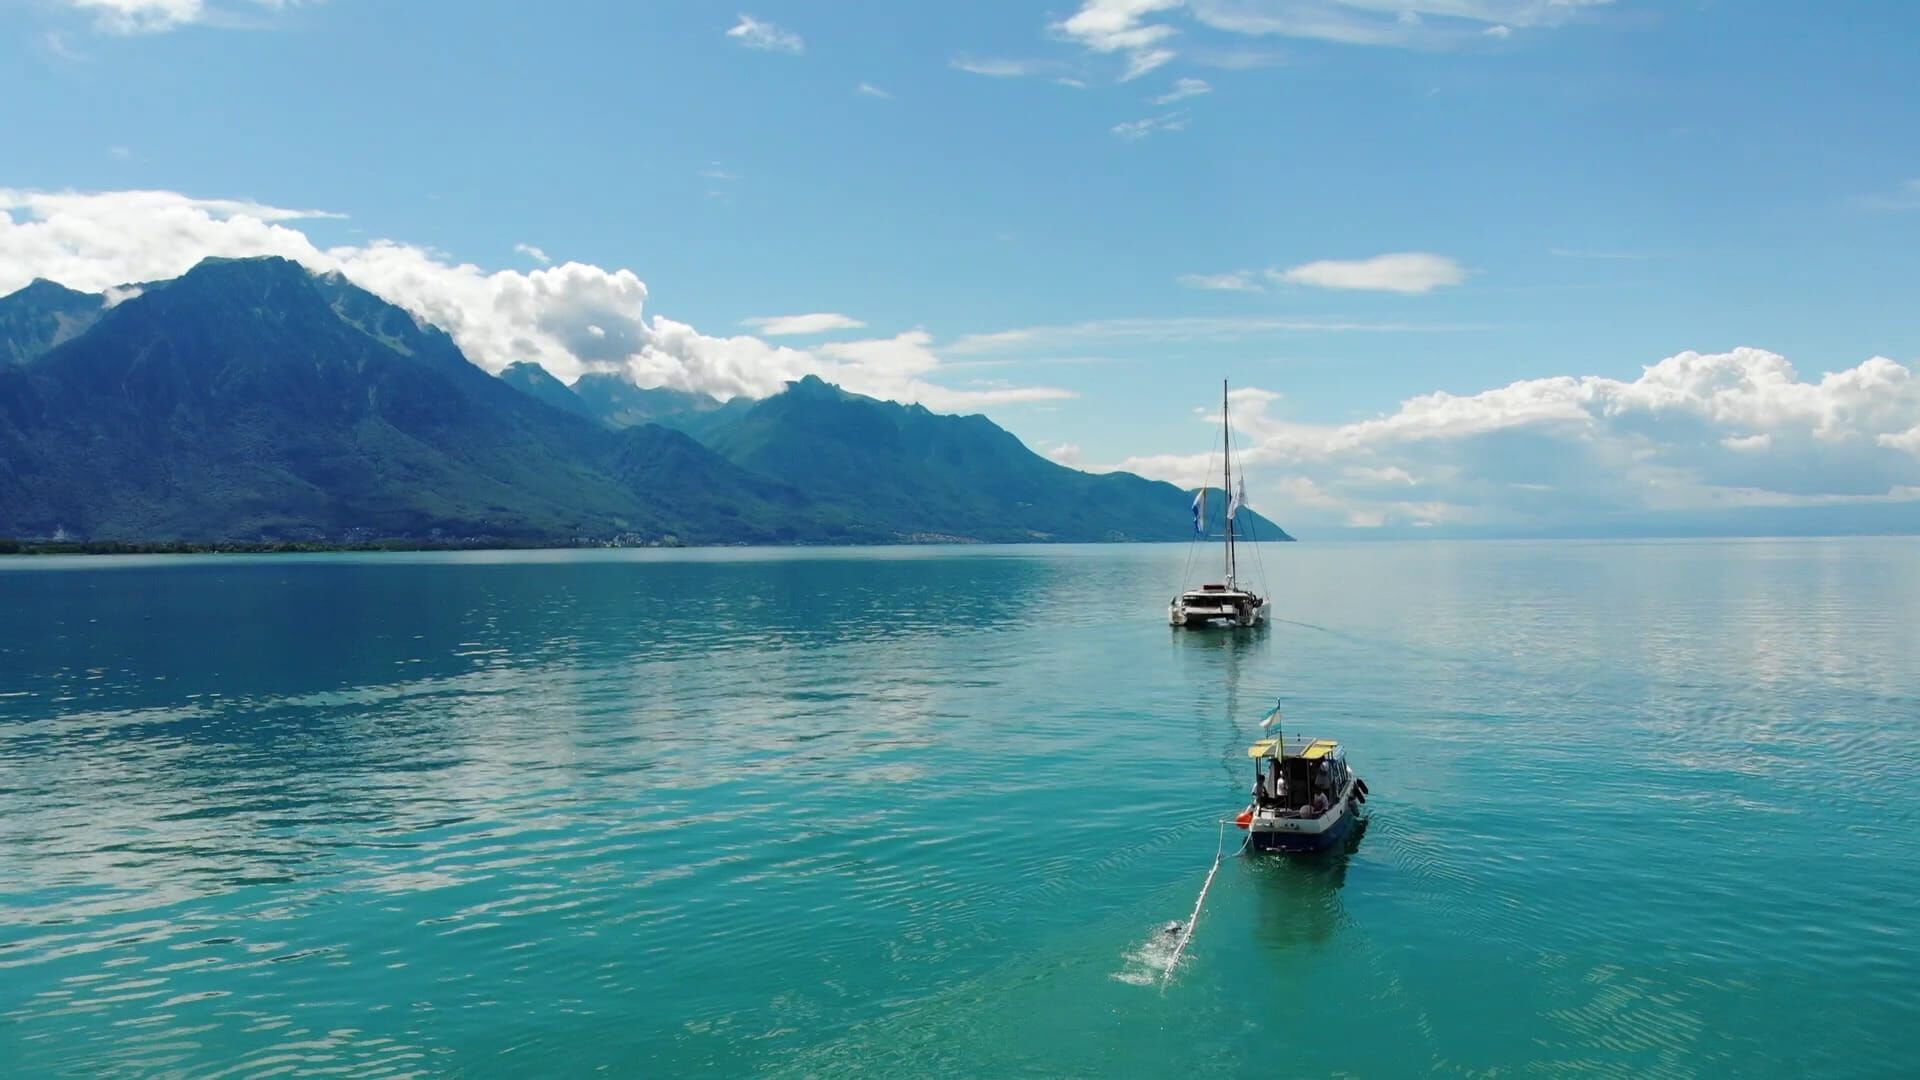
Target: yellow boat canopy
x,y
1316,750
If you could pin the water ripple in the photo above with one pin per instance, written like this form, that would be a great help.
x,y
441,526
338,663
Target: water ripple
x,y
1633,806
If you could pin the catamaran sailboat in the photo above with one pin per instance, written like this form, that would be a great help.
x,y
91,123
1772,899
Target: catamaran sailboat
x,y
1305,797
1228,602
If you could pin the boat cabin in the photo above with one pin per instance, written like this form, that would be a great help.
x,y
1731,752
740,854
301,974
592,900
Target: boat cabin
x,y
1230,602
1299,777
1221,594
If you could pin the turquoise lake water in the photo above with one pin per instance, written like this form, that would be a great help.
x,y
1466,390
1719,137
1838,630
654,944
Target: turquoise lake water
x,y
1639,809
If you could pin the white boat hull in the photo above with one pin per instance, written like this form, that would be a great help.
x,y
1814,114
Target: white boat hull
x,y
1209,611
1271,829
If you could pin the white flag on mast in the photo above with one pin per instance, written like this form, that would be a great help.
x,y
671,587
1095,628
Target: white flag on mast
x,y
1239,496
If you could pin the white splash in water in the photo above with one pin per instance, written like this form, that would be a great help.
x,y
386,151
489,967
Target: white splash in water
x,y
1147,964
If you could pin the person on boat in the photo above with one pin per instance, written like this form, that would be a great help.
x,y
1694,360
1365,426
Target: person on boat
x,y
1319,803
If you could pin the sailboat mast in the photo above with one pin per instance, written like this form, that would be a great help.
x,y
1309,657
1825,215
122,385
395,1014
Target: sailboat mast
x,y
1226,488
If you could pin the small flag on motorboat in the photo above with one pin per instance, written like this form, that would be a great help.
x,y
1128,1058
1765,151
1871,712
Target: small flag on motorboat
x,y
1200,511
1272,718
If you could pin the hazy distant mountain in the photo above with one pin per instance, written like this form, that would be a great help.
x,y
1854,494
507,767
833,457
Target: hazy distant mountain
x,y
251,398
706,425
917,471
616,402
530,378
43,315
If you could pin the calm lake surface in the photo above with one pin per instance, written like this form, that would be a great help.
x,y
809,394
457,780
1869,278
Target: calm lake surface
x,y
1638,809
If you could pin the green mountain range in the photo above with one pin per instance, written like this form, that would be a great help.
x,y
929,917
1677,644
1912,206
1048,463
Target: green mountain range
x,y
253,400
42,315
616,402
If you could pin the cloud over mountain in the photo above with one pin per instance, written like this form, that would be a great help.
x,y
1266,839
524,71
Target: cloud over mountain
x,y
1693,432
570,318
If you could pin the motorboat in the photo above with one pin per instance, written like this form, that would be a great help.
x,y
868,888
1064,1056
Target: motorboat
x,y
1306,797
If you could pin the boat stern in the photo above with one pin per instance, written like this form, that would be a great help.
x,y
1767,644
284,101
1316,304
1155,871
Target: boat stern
x,y
1213,605
1299,836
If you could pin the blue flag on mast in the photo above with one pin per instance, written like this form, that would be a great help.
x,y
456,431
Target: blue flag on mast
x,y
1200,512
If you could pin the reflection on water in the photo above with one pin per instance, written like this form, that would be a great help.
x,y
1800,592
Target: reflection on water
x,y
905,812
1298,897
1215,661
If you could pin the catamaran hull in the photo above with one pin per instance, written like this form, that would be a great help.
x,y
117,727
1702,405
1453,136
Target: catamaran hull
x,y
1181,615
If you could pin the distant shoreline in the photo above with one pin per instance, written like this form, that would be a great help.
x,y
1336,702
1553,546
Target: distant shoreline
x,y
255,547
24,548
314,547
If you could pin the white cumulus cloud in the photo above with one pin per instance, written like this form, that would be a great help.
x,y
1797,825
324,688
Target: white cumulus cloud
x,y
1133,130
1146,35
1231,281
766,37
141,16
1182,90
819,322
1693,433
570,318
1145,61
1407,272
1117,25
1067,454
1144,31
1123,26
1411,24
897,367
1160,332
1000,68
159,16
1908,440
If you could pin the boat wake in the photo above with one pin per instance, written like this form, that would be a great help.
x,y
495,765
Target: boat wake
x,y
1147,964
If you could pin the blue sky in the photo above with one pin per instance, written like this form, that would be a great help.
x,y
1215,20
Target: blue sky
x,y
1574,189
